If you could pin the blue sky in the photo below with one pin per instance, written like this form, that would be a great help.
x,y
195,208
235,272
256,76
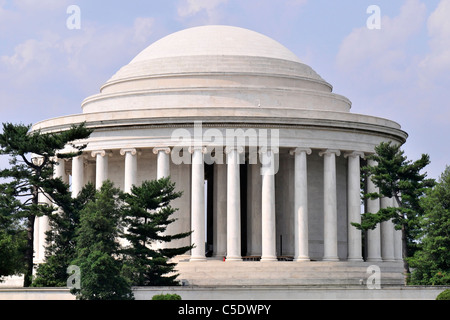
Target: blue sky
x,y
400,71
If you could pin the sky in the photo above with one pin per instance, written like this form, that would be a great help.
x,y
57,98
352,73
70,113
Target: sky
x,y
391,60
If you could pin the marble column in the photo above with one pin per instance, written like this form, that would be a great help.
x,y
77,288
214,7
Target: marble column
x,y
130,168
163,166
398,247
77,175
101,171
387,233
41,224
301,204
354,238
233,204
330,244
162,171
198,204
268,227
373,236
220,210
254,202
59,170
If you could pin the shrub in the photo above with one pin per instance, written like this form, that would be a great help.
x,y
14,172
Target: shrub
x,y
444,295
167,296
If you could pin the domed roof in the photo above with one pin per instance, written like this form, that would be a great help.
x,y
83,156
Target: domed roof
x,y
216,41
221,76
215,67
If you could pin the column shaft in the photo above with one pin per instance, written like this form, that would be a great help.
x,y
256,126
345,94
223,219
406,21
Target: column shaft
x,y
301,205
163,165
77,175
268,207
198,205
387,234
220,210
101,170
354,238
330,206
233,206
60,170
130,168
398,247
373,236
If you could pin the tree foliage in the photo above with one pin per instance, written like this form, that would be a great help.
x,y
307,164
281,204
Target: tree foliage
x,y
60,251
147,214
400,179
431,262
98,248
32,158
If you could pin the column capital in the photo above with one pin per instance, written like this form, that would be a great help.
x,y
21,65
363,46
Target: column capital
x,y
267,149
157,150
124,151
355,154
330,151
308,151
191,149
228,149
103,153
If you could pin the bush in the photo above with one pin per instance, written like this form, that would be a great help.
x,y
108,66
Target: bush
x,y
166,297
444,295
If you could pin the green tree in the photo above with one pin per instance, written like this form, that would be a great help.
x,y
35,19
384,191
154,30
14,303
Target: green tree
x,y
12,241
98,248
431,262
147,214
400,179
60,251
32,155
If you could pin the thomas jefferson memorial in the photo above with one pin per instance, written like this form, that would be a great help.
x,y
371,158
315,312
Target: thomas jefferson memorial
x,y
268,159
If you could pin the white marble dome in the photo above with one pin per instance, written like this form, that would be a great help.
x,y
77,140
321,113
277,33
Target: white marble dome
x,y
214,67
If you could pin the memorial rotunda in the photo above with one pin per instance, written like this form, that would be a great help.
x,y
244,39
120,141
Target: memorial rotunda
x,y
267,156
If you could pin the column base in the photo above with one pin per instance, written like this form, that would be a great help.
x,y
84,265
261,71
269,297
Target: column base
x,y
197,259
268,259
330,259
233,259
302,259
355,259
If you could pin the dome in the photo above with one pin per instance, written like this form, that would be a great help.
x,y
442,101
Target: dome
x,y
216,67
222,77
216,41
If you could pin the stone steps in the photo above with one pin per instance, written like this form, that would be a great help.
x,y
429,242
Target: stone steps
x,y
216,272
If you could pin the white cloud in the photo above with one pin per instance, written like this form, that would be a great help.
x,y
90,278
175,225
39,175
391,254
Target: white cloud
x,y
143,29
62,67
382,53
33,5
437,61
190,8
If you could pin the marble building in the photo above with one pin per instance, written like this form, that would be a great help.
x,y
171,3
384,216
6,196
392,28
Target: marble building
x,y
268,157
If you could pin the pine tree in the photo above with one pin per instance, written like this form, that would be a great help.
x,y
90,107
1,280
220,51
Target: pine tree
x,y
431,262
60,251
147,215
32,157
400,179
98,248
